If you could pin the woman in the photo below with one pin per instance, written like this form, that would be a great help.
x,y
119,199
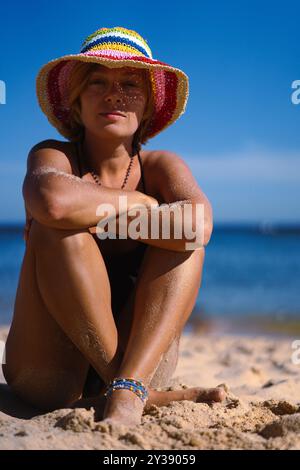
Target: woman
x,y
89,310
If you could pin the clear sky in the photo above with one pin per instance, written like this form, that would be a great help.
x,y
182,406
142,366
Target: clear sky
x,y
240,132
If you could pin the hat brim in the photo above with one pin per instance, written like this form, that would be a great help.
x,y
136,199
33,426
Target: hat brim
x,y
169,84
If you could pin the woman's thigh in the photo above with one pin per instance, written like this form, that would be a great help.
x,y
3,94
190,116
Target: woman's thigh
x,y
42,365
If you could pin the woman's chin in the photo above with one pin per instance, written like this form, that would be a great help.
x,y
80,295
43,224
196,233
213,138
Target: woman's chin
x,y
111,131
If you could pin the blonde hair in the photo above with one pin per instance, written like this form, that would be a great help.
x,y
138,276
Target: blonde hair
x,y
78,80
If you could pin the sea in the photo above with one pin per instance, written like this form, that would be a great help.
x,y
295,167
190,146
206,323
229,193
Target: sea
x,y
249,269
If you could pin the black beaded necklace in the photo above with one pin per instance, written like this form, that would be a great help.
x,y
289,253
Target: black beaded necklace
x,y
96,177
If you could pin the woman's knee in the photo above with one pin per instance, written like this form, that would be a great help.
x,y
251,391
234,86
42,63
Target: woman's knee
x,y
43,236
173,259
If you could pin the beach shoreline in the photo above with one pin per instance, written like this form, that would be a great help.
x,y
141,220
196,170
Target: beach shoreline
x,y
261,411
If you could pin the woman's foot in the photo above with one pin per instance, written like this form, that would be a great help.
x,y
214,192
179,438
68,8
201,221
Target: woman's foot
x,y
196,394
124,407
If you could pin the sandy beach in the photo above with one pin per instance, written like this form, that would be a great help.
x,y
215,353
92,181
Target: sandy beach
x,y
262,409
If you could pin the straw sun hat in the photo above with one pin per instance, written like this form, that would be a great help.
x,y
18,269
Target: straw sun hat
x,y
114,47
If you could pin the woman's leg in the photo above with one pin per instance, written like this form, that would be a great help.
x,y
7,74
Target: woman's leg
x,y
168,363
62,319
166,291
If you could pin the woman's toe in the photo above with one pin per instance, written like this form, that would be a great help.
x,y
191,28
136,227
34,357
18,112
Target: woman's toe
x,y
211,394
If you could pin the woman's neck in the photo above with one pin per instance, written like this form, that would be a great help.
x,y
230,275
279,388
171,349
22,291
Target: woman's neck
x,y
108,158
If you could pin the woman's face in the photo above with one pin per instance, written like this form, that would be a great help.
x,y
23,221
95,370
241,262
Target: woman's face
x,y
122,90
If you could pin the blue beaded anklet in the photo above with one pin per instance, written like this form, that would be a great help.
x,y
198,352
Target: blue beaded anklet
x,y
131,384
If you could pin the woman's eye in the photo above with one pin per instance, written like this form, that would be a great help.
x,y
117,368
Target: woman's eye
x,y
126,84
131,84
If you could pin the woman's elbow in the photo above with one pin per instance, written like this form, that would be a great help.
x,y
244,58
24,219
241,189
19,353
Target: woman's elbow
x,y
53,211
44,207
46,212
200,240
202,225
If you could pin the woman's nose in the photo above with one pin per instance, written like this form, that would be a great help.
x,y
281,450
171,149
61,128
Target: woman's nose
x,y
113,90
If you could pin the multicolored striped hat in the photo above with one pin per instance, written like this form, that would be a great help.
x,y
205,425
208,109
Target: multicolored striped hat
x,y
114,47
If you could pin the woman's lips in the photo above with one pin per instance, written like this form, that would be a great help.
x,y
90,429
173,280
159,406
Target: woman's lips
x,y
112,116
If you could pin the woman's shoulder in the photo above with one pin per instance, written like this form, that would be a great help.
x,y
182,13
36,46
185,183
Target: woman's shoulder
x,y
160,167
151,159
54,153
170,175
51,144
50,147
161,159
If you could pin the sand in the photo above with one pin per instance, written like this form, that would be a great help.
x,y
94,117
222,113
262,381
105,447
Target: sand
x,y
262,410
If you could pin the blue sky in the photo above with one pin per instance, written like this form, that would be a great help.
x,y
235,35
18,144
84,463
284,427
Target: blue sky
x,y
240,132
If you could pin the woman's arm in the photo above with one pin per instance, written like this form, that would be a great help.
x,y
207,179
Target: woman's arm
x,y
177,188
185,209
55,197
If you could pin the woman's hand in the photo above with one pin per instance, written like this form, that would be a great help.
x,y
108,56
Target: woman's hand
x,y
144,199
150,201
93,229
